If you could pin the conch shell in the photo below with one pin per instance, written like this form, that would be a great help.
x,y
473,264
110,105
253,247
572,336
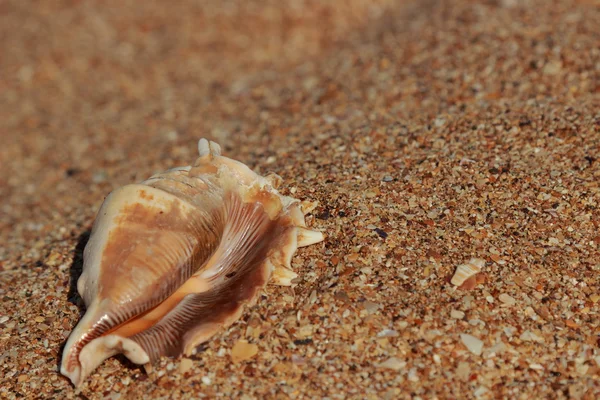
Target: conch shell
x,y
172,260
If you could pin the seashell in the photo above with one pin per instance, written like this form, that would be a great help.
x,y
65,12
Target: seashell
x,y
174,259
465,271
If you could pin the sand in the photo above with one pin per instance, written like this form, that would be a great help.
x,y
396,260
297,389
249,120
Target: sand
x,y
430,132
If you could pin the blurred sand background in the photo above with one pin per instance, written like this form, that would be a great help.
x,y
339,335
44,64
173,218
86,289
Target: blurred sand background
x,y
431,132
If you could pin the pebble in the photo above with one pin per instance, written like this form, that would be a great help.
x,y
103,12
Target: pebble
x,y
473,344
185,365
507,299
243,351
528,336
393,363
463,371
387,333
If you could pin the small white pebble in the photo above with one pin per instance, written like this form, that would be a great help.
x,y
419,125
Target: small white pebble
x,y
387,333
99,176
412,375
439,122
370,306
393,363
463,370
530,312
480,391
495,349
472,343
171,136
509,330
402,324
206,380
507,299
456,314
529,336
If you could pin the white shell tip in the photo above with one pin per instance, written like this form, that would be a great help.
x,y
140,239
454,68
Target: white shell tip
x,y
308,206
274,180
208,148
283,276
306,237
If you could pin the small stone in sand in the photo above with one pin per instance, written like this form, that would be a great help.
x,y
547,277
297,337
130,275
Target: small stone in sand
x,y
185,365
507,299
474,345
243,350
393,363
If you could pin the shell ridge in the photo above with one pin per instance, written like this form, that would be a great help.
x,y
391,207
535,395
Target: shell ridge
x,y
238,270
207,312
245,224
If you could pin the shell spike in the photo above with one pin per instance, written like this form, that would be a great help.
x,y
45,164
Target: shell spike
x,y
306,237
274,180
206,148
283,276
308,206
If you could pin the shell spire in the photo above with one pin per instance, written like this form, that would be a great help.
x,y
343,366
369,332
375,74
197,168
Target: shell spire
x,y
175,258
208,148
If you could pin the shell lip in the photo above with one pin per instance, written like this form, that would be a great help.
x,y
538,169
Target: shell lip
x,y
74,374
96,351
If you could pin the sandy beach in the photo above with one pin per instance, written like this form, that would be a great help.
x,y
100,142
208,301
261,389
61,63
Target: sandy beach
x,y
430,132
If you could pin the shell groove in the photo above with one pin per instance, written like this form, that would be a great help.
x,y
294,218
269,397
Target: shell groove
x,y
173,259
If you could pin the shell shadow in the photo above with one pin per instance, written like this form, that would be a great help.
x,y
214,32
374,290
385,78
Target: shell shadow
x,y
75,270
74,273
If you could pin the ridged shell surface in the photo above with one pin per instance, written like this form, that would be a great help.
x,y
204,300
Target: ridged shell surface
x,y
174,259
465,271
